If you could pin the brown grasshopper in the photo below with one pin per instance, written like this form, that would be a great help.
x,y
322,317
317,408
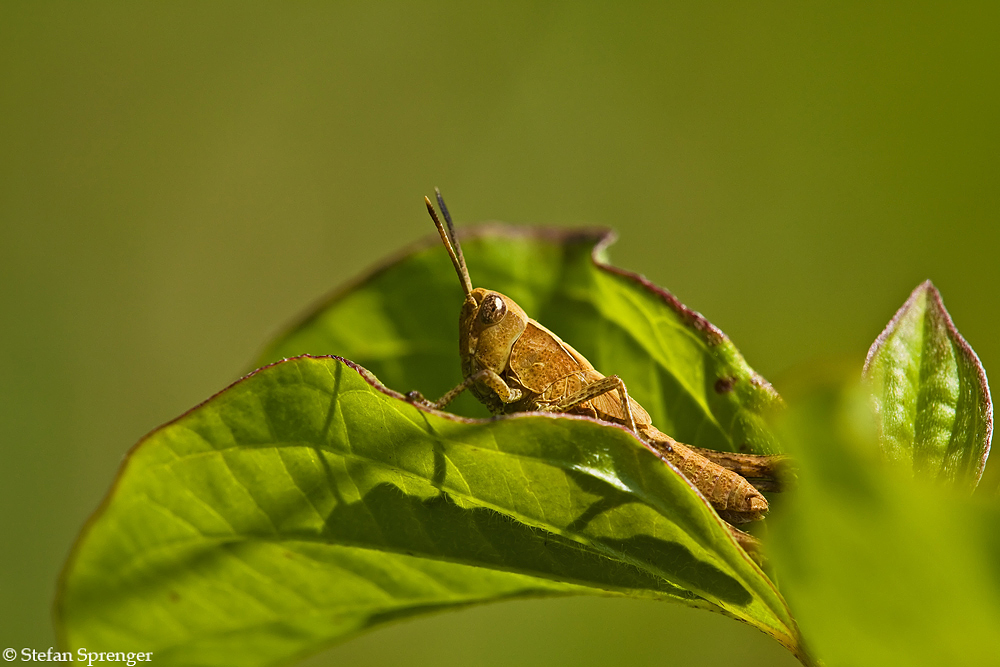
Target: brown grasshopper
x,y
514,364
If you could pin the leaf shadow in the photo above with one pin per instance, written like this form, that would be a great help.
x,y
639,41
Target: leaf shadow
x,y
438,527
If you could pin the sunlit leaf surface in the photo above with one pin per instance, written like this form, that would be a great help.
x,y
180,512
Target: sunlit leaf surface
x,y
305,503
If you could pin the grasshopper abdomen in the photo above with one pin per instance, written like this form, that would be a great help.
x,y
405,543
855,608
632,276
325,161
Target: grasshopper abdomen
x,y
736,499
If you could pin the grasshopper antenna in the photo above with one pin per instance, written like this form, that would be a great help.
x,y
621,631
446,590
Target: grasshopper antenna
x,y
456,258
451,231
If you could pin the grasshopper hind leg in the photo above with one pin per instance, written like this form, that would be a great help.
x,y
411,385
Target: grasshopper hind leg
x,y
593,390
766,472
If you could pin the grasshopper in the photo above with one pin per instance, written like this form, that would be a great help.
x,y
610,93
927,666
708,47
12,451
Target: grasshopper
x,y
511,363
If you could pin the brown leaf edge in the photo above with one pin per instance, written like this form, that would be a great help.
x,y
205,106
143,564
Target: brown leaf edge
x,y
964,348
792,642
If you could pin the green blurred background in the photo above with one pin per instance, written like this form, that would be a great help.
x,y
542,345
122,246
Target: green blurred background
x,y
178,181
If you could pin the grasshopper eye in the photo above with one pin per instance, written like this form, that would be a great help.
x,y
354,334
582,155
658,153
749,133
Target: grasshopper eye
x,y
492,310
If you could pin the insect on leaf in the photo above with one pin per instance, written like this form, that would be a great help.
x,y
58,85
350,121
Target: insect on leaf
x,y
401,323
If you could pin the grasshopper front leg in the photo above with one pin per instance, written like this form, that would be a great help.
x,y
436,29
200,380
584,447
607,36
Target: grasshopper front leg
x,y
485,377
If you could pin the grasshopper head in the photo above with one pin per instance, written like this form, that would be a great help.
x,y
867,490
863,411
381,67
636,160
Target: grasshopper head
x,y
490,323
488,327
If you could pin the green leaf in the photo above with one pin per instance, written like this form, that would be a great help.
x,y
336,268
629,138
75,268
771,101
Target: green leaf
x,y
880,567
306,503
400,322
930,393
